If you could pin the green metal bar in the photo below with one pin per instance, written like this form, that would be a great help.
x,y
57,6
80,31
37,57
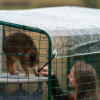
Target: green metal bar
x,y
68,71
49,81
33,29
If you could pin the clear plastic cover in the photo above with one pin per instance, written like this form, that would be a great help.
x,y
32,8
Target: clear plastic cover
x,y
73,30
87,42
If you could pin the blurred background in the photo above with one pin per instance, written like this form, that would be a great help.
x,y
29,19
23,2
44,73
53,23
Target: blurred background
x,y
26,4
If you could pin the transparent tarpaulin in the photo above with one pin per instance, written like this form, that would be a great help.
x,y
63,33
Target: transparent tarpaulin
x,y
73,30
82,42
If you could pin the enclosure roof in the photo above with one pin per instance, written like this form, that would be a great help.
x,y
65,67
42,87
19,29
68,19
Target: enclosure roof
x,y
54,18
73,30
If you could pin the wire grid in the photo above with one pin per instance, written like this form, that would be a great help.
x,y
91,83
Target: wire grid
x,y
94,61
61,66
29,88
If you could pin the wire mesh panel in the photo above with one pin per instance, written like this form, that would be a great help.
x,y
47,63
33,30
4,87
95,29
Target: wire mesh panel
x,y
19,78
76,77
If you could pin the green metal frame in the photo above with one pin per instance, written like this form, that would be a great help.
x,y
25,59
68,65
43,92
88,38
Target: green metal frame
x,y
68,72
33,29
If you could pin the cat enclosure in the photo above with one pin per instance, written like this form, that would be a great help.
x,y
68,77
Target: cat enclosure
x,y
71,33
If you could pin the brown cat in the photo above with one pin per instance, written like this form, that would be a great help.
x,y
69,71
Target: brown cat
x,y
20,46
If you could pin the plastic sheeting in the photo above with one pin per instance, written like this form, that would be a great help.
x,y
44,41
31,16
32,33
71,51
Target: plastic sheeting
x,y
75,45
73,30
